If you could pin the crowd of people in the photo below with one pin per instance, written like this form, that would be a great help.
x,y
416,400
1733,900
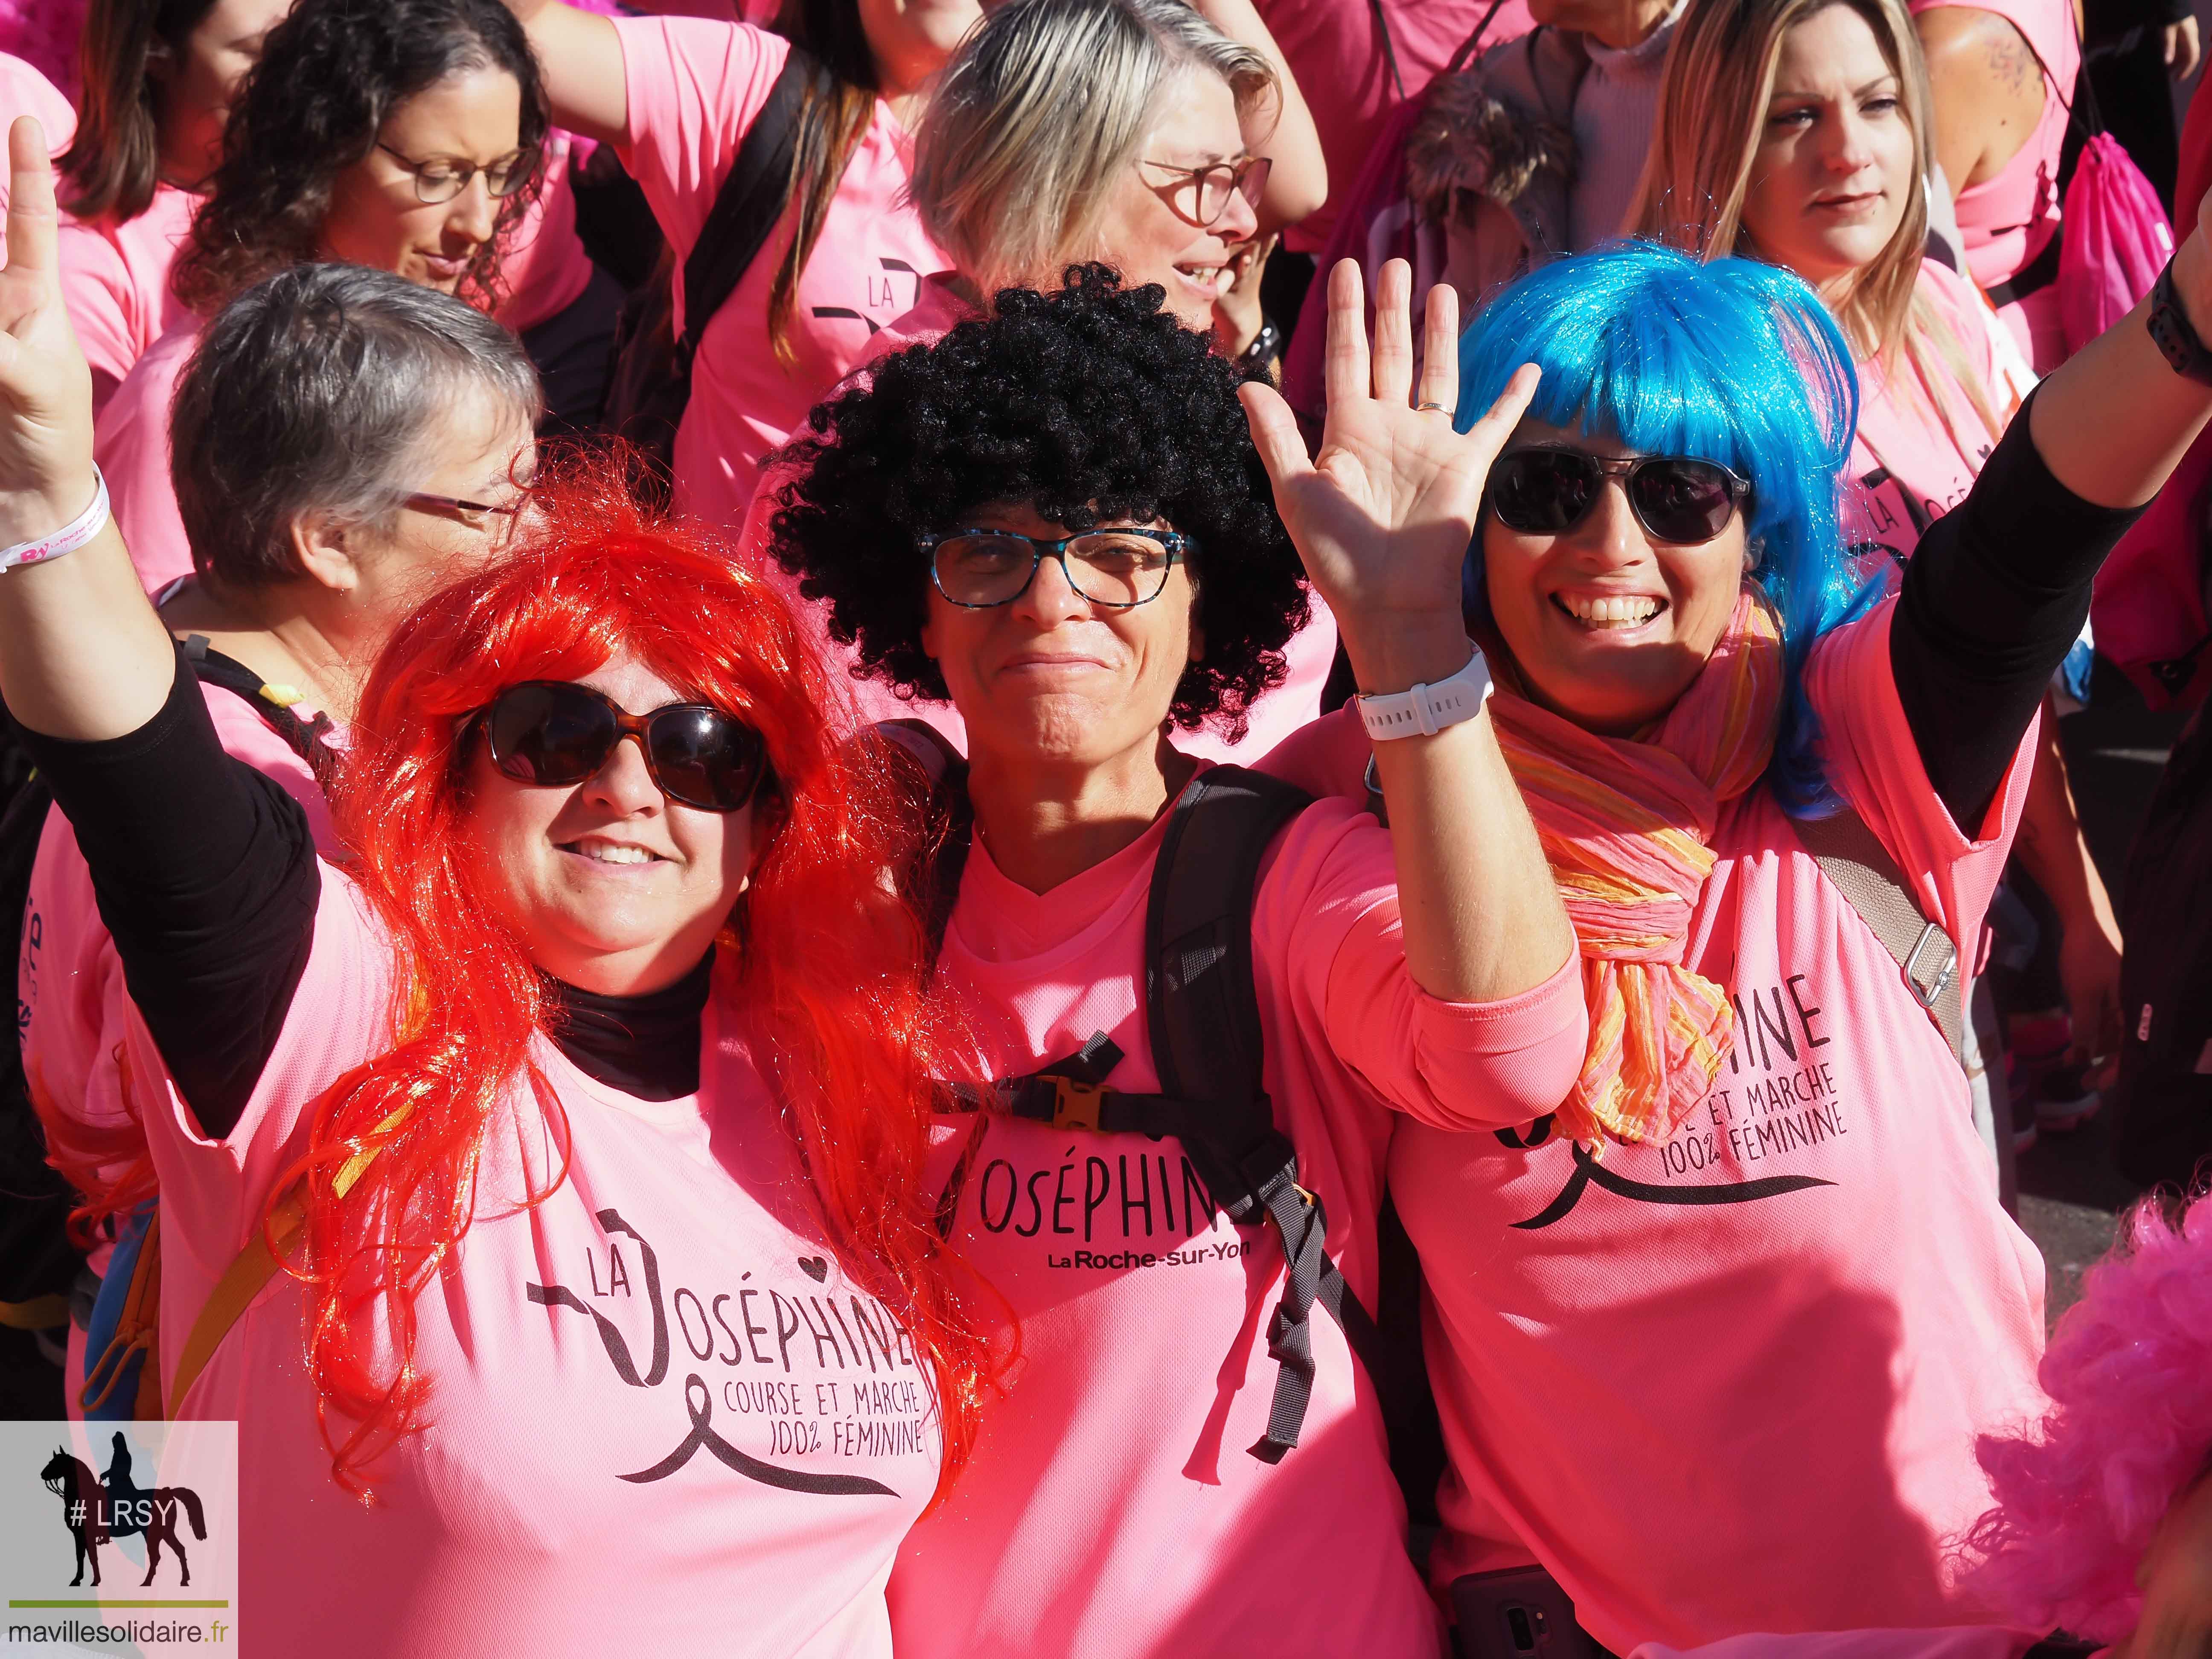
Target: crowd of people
x,y
1108,827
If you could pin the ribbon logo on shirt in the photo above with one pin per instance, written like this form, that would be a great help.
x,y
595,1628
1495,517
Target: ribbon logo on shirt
x,y
1589,1172
700,1404
864,1407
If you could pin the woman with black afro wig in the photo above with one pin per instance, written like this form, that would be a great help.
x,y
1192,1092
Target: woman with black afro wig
x,y
1059,519
1094,406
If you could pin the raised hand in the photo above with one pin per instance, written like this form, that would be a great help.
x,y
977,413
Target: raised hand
x,y
1383,514
45,390
81,653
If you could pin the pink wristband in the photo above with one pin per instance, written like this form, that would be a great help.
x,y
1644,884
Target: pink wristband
x,y
69,537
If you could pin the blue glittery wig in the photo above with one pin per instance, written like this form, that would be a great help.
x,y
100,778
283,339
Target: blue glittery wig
x,y
1736,362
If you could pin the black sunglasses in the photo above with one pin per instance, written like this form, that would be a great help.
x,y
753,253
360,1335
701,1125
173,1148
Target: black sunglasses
x,y
1543,490
555,732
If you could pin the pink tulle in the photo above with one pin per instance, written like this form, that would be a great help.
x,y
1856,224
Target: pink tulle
x,y
44,35
2079,1496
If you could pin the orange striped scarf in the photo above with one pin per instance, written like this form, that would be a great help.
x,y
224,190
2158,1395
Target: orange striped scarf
x,y
1625,825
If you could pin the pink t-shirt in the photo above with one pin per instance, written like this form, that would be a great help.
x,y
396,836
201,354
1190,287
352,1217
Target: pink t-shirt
x,y
1909,464
131,442
44,33
25,91
1111,1507
1343,66
544,267
664,1420
2008,220
694,86
1730,1382
115,281
72,1005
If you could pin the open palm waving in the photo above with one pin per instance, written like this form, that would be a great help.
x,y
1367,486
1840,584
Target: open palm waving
x,y
1383,514
1382,518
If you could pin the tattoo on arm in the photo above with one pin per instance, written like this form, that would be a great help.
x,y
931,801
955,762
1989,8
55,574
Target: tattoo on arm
x,y
2012,65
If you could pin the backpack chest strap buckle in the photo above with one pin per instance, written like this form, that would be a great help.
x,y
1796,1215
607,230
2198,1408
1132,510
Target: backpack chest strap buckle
x,y
1076,1105
1065,1103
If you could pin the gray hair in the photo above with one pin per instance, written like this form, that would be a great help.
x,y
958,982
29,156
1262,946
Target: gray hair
x,y
315,394
1033,120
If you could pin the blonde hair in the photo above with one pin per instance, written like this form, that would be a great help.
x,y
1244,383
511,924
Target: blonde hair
x,y
1036,115
1720,73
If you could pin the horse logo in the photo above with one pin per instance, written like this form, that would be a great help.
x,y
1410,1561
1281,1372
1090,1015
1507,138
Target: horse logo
x,y
99,1513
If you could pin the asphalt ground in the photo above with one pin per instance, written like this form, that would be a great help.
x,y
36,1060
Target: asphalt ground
x,y
2069,1197
2070,1194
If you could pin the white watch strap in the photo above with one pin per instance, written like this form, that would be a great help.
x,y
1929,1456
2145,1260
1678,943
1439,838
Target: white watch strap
x,y
1425,710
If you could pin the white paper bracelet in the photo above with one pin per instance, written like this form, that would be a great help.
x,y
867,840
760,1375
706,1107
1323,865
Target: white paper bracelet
x,y
1425,710
69,537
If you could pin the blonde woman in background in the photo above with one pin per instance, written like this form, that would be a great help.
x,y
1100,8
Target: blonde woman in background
x,y
1146,133
1798,132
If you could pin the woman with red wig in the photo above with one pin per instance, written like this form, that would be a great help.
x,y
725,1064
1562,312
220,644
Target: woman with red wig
x,y
582,1111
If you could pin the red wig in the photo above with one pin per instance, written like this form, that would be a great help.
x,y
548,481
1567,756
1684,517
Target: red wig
x,y
822,961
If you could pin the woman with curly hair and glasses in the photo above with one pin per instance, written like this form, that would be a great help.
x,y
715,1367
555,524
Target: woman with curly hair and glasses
x,y
1057,518
400,134
569,1138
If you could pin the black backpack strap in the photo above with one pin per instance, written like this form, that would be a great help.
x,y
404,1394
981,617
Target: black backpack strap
x,y
38,1264
1467,50
747,202
933,884
306,738
1202,1008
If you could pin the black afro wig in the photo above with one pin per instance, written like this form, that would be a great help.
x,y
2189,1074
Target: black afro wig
x,y
1090,404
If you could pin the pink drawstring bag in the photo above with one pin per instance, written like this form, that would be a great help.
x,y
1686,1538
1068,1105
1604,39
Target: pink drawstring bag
x,y
2117,240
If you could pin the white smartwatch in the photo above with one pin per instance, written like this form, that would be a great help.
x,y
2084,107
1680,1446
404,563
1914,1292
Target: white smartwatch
x,y
1425,710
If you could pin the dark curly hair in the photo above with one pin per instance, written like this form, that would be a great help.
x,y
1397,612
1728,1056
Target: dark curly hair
x,y
331,74
1091,404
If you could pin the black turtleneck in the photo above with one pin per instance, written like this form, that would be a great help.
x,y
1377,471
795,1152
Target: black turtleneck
x,y
646,1046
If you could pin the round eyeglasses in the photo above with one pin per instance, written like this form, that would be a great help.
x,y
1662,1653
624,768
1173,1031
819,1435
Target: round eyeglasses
x,y
1200,196
977,569
441,179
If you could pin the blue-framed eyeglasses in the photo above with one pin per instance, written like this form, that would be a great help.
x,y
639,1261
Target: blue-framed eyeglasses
x,y
977,569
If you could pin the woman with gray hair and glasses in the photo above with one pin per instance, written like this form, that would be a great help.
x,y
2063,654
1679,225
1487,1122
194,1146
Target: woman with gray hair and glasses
x,y
404,135
345,441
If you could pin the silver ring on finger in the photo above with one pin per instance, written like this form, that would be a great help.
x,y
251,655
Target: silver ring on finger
x,y
1429,408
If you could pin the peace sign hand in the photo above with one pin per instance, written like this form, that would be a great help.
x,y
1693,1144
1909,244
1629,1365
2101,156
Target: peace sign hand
x,y
45,390
1383,516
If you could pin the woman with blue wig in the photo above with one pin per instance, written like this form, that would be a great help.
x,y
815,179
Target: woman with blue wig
x,y
1712,1340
